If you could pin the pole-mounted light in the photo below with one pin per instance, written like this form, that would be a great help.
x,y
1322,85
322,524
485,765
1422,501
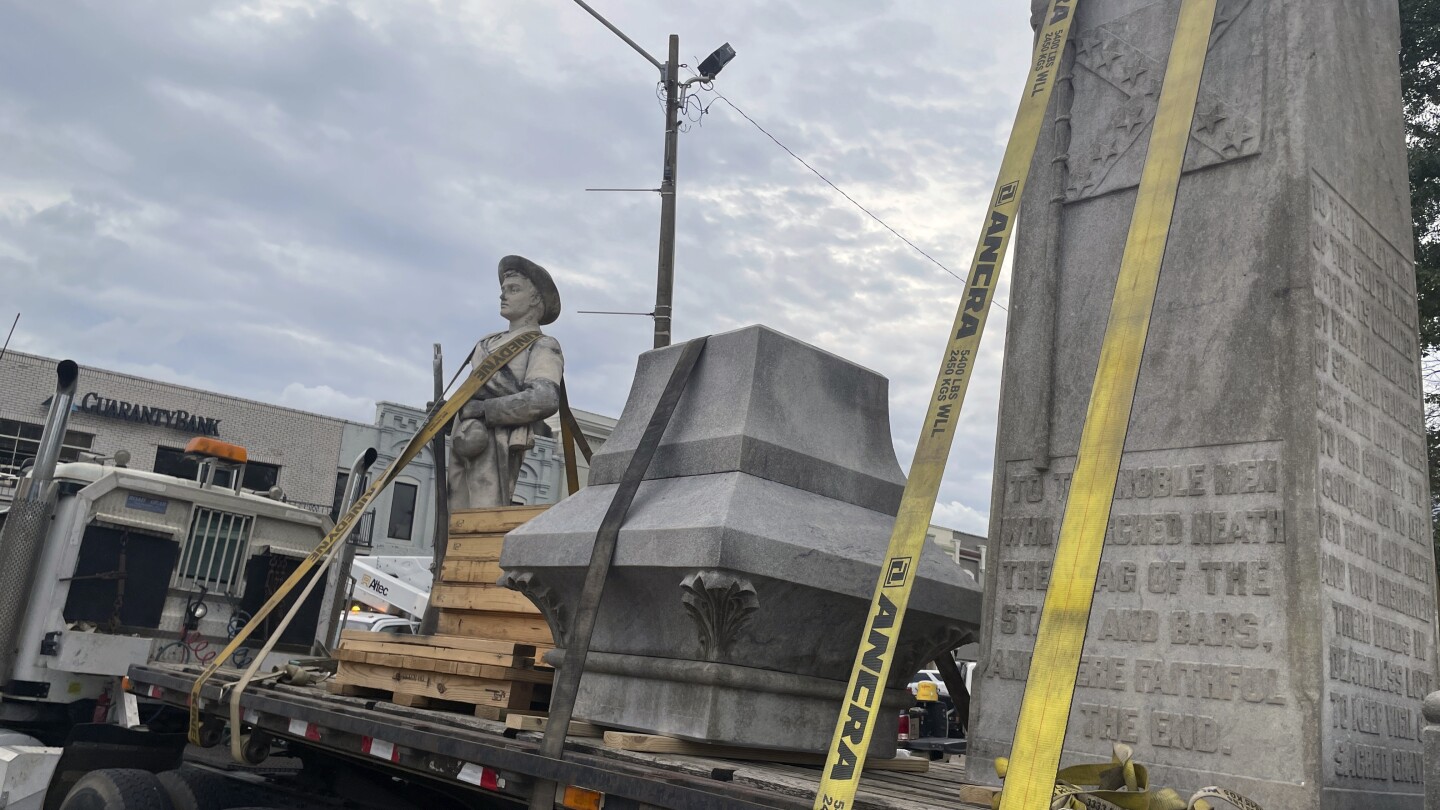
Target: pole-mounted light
x,y
674,101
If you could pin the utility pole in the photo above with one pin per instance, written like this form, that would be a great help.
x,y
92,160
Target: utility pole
x,y
665,280
674,101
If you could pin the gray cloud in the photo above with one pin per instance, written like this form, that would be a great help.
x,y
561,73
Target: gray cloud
x,y
291,200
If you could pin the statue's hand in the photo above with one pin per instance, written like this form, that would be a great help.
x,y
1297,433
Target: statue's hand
x,y
470,438
474,409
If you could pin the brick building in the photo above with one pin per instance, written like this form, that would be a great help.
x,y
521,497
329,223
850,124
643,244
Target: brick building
x,y
152,421
305,454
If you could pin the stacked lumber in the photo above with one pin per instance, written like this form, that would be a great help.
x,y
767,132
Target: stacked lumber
x,y
484,658
486,678
471,604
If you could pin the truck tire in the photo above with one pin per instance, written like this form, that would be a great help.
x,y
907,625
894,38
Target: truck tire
x,y
117,789
195,789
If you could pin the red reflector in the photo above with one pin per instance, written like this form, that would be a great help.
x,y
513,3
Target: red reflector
x,y
380,749
489,779
904,726
300,728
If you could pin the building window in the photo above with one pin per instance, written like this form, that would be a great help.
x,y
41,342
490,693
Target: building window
x,y
402,511
214,552
260,476
20,441
171,461
342,479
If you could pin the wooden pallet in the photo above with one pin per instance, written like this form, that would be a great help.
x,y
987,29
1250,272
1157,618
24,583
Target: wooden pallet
x,y
470,602
535,721
656,744
500,519
502,626
485,677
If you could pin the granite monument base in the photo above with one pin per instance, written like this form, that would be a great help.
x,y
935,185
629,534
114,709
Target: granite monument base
x,y
747,562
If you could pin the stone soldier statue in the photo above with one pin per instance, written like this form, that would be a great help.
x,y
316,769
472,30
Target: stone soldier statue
x,y
497,426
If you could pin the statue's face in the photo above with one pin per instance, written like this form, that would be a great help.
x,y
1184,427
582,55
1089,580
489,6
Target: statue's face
x,y
518,297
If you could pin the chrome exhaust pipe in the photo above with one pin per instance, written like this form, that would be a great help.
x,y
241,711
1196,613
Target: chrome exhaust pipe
x,y
23,536
337,586
53,436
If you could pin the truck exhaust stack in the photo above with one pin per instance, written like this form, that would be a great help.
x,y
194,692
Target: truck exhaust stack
x,y
24,529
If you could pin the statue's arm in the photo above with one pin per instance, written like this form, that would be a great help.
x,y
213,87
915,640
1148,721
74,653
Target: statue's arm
x,y
540,395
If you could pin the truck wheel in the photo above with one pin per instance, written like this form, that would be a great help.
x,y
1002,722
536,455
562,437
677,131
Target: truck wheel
x,y
194,789
117,789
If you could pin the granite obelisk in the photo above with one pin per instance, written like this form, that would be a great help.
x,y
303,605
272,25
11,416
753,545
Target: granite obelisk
x,y
1265,614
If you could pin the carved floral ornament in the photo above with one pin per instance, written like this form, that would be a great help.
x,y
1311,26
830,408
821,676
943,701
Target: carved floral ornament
x,y
543,597
721,605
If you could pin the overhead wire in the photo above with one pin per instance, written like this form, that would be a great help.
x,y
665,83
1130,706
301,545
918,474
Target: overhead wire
x,y
831,184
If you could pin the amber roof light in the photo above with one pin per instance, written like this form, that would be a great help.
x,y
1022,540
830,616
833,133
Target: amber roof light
x,y
214,448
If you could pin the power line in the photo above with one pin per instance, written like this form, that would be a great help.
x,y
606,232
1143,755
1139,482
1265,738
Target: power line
x,y
842,193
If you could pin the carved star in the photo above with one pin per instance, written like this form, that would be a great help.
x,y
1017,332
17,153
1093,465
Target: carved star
x,y
1107,56
1103,150
1233,144
1134,119
1081,181
1133,72
1083,47
1209,116
1147,88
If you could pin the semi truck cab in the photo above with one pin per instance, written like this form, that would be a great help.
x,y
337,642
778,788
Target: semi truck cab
x,y
137,566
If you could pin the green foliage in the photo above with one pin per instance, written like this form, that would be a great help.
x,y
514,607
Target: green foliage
x,y
1420,77
1420,80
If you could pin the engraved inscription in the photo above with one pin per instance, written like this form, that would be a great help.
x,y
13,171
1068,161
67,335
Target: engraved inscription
x,y
1376,566
1186,625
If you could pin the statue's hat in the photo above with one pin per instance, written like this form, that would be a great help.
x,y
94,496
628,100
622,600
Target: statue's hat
x,y
549,296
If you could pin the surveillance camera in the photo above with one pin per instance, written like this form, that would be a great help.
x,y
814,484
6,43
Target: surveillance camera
x,y
716,61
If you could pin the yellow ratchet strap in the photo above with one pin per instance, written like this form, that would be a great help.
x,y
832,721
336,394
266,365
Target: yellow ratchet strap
x,y
1045,709
873,658
1122,784
439,418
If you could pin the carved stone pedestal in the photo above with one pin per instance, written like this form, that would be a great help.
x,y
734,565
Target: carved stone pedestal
x,y
747,562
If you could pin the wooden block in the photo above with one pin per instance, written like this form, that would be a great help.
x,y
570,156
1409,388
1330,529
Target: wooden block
x,y
334,687
457,688
473,572
496,519
482,547
457,642
481,597
655,744
491,713
532,722
444,667
491,625
978,794
440,653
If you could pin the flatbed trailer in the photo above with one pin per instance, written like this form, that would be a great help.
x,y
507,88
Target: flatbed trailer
x,y
485,760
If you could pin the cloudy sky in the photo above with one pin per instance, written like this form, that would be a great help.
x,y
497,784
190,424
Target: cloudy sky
x,y
291,200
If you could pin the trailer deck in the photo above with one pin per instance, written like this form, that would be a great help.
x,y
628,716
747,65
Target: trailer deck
x,y
484,755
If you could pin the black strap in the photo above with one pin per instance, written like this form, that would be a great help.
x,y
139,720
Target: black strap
x,y
955,684
577,642
567,417
567,440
